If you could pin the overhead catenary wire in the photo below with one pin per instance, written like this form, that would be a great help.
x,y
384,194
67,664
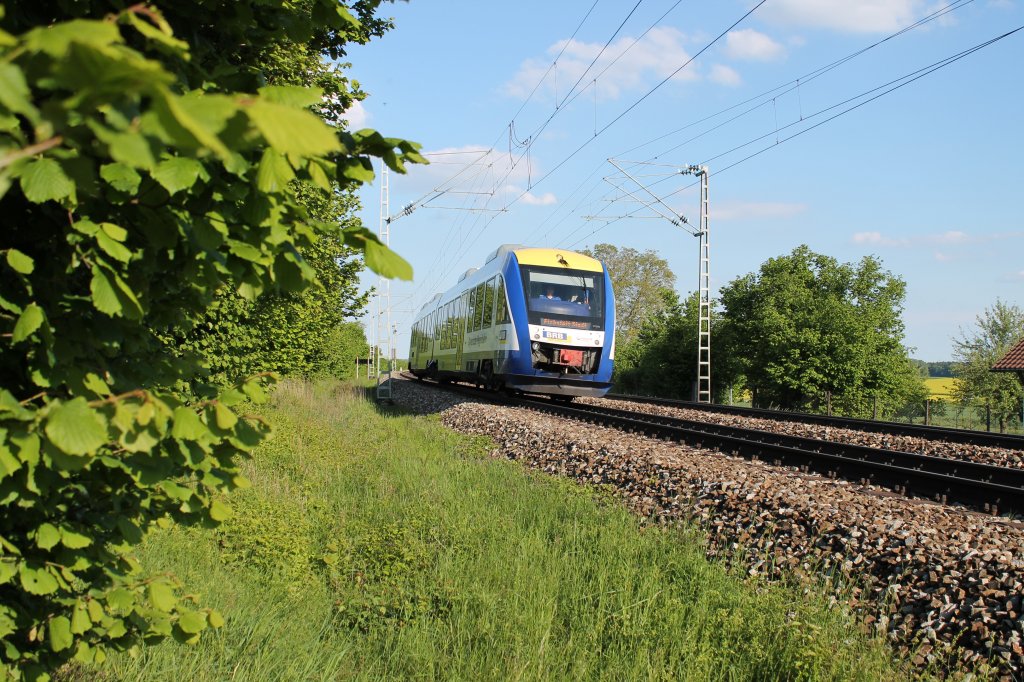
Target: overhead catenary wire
x,y
765,97
886,88
619,117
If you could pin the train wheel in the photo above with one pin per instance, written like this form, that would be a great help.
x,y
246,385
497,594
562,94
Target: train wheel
x,y
563,398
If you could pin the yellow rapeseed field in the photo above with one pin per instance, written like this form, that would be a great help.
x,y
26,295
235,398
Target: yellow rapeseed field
x,y
940,388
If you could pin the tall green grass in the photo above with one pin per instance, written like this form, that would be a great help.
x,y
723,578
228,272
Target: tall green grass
x,y
383,546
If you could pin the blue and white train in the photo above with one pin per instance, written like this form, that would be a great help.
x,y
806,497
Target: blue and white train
x,y
531,319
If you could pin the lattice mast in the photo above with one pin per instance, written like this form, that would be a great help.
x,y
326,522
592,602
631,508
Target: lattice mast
x,y
384,348
704,289
652,201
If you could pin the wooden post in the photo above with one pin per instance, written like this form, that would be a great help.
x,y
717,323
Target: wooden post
x,y
828,403
988,416
928,412
874,409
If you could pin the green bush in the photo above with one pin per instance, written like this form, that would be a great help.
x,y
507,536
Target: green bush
x,y
139,176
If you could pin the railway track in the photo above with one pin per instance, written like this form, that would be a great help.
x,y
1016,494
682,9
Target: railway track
x,y
985,487
964,436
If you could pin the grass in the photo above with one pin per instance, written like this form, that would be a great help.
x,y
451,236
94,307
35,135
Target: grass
x,y
377,545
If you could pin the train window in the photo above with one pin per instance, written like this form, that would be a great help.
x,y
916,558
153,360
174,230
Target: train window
x,y
471,310
481,300
444,328
501,315
559,297
448,308
489,304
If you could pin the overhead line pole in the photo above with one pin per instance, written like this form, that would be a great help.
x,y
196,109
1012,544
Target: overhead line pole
x,y
703,393
704,292
383,332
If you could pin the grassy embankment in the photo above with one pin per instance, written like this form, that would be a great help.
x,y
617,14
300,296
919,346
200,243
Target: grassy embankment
x,y
383,546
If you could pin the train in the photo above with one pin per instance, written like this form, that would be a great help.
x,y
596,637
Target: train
x,y
530,320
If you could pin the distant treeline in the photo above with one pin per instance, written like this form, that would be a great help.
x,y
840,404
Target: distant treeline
x,y
935,369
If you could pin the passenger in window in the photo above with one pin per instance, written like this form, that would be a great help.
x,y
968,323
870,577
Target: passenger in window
x,y
549,293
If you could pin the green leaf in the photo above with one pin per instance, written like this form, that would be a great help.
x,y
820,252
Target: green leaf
x,y
162,596
112,248
14,92
37,580
19,262
384,261
47,536
180,122
357,169
80,622
177,174
112,296
28,322
73,540
292,131
274,172
104,297
76,428
56,39
192,622
220,511
120,600
215,619
318,175
292,95
121,177
59,633
8,463
187,425
8,569
162,34
44,180
226,419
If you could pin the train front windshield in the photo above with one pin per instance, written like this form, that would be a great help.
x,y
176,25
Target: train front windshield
x,y
559,297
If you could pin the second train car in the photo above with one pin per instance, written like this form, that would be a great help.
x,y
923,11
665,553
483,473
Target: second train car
x,y
535,320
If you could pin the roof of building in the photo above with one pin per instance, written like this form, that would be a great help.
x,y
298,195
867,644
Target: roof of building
x,y
1013,361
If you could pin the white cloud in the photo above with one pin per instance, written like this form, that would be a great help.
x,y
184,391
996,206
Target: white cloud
x,y
545,199
723,75
637,64
876,239
1001,4
752,211
942,257
862,16
356,115
512,192
948,238
752,45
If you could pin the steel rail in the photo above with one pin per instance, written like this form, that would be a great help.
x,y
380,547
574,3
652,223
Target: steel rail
x,y
986,487
949,435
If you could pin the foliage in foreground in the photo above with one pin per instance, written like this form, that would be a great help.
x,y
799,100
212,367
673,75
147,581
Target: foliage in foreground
x,y
139,175
383,546
996,330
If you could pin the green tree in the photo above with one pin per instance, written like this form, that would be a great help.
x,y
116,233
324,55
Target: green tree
x,y
145,165
806,329
996,330
640,280
661,359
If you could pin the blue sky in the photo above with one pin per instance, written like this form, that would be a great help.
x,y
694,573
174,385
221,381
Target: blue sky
x,y
927,177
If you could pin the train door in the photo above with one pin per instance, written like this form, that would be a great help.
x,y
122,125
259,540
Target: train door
x,y
460,329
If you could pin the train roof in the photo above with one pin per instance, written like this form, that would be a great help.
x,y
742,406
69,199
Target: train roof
x,y
526,256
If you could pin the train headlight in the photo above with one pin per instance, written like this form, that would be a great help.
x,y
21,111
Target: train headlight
x,y
536,346
597,342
